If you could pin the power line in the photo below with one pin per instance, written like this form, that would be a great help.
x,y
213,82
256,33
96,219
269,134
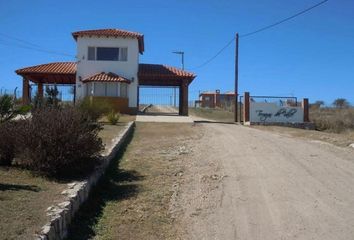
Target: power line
x,y
19,40
215,56
284,20
37,49
259,30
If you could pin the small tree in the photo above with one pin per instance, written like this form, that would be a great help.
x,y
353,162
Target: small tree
x,y
8,109
341,103
317,104
51,95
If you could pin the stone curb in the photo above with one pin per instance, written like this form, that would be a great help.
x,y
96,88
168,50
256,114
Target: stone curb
x,y
77,193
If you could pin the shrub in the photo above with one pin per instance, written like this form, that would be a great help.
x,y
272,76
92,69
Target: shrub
x,y
8,109
113,117
95,108
59,142
331,119
7,143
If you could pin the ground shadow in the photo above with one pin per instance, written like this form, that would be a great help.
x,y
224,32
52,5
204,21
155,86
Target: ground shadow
x,y
18,187
159,114
211,121
116,185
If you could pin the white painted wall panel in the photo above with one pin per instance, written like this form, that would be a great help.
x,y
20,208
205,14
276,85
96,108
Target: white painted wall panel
x,y
272,113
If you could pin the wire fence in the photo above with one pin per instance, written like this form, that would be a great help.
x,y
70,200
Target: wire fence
x,y
11,92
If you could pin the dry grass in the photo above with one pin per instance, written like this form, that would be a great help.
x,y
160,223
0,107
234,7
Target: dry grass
x,y
132,202
23,201
332,119
212,114
25,197
124,118
343,139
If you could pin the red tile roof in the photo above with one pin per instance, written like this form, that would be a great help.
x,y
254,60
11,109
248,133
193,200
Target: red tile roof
x,y
54,68
149,74
159,70
112,33
106,77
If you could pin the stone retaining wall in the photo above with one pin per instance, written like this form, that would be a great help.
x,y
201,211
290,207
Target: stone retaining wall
x,y
77,193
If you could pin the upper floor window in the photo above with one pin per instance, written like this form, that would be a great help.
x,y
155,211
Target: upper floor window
x,y
107,54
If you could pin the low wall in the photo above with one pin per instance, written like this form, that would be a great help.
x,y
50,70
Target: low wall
x,y
119,104
261,112
62,214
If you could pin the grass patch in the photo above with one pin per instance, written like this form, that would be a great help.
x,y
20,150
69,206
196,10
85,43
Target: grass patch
x,y
132,201
333,119
213,114
24,197
23,201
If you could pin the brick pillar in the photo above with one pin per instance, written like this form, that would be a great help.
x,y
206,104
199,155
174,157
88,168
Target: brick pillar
x,y
246,107
305,106
25,91
183,98
40,90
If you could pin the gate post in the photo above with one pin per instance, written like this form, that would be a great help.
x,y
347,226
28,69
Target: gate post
x,y
25,92
183,98
246,107
305,106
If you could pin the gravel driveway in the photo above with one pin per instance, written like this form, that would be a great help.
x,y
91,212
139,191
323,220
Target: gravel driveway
x,y
245,183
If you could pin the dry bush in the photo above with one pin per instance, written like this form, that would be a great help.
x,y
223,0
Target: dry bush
x,y
95,108
113,117
58,142
7,143
331,119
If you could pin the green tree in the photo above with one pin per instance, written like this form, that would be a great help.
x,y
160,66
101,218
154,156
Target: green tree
x,y
8,109
341,103
51,96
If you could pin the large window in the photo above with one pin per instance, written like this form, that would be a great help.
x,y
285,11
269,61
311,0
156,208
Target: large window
x,y
109,89
107,54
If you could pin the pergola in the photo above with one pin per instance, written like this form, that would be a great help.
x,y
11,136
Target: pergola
x,y
64,73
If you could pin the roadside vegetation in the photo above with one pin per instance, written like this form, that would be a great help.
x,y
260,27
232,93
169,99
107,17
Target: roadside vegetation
x,y
215,114
338,119
133,200
43,146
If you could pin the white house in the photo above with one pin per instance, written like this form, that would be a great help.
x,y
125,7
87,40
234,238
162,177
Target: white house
x,y
108,67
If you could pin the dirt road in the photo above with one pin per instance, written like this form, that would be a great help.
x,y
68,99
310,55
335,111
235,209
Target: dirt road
x,y
245,183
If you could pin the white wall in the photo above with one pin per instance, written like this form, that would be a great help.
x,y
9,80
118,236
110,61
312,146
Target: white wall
x,y
272,113
128,69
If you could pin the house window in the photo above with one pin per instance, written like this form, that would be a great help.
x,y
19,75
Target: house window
x,y
123,90
123,56
112,89
108,54
91,53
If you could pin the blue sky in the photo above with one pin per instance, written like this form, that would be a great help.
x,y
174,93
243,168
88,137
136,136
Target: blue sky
x,y
309,56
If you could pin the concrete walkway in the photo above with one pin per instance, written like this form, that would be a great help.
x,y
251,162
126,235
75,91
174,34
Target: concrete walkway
x,y
159,113
163,118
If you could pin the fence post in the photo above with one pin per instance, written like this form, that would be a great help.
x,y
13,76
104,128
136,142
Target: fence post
x,y
305,106
246,107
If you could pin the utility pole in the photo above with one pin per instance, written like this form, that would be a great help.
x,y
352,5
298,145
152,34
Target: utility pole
x,y
174,89
236,79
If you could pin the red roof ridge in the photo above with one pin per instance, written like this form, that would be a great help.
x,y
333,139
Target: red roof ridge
x,y
105,77
162,69
112,32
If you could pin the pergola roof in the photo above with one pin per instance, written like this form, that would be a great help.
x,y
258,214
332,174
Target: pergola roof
x,y
56,72
65,73
106,77
112,33
162,75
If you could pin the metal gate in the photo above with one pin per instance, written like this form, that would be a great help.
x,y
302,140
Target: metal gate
x,y
160,99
